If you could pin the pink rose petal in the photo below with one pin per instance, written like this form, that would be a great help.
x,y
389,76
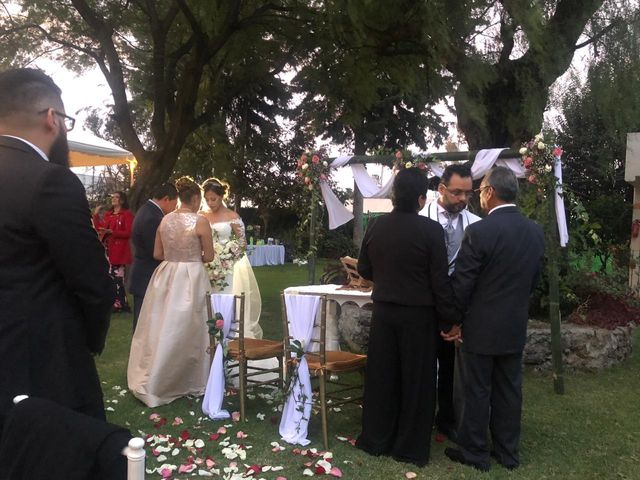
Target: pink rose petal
x,y
241,434
235,416
335,472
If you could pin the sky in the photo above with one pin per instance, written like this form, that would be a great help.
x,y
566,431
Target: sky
x,y
90,90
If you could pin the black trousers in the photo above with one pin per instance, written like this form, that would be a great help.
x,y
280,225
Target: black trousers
x,y
446,418
400,383
137,306
493,385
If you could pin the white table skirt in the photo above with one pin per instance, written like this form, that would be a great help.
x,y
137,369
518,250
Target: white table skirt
x,y
339,297
260,255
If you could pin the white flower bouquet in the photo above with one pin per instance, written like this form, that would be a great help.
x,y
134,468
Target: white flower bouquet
x,y
226,255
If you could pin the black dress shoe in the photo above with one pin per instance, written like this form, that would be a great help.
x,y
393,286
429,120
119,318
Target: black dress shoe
x,y
457,456
508,466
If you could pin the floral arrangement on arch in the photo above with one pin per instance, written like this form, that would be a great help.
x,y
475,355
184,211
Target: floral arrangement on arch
x,y
226,255
404,159
311,170
539,160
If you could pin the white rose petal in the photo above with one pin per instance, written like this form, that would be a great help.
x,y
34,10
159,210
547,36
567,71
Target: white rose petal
x,y
199,443
162,458
541,146
175,452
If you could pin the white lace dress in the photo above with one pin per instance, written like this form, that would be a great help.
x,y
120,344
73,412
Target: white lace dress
x,y
242,279
168,357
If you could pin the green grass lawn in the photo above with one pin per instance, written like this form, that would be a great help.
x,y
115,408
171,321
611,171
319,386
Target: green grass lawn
x,y
591,432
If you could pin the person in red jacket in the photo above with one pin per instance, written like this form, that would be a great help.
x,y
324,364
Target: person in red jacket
x,y
116,228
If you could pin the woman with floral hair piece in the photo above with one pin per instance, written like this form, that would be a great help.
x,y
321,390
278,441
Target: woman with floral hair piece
x,y
168,357
231,272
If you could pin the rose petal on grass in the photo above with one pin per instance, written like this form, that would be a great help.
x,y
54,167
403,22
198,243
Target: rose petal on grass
x,y
410,475
186,468
307,473
235,416
335,472
177,421
199,443
260,416
440,438
241,434
222,430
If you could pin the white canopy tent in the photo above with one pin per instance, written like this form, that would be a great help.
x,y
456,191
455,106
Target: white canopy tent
x,y
87,150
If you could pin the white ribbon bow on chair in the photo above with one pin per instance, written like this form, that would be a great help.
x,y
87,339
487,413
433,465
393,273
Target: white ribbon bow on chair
x,y
214,394
301,314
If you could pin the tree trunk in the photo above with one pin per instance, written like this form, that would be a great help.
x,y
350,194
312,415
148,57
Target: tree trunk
x,y
153,169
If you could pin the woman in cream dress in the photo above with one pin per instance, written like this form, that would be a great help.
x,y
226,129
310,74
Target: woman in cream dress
x,y
225,224
169,356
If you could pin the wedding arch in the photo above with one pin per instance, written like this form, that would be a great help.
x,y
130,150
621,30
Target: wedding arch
x,y
315,172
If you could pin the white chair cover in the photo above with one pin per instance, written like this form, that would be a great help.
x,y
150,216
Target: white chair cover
x,y
301,313
214,394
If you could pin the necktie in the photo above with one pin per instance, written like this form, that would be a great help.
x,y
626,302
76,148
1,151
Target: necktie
x,y
449,230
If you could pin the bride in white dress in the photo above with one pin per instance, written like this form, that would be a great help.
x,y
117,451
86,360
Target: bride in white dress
x,y
226,223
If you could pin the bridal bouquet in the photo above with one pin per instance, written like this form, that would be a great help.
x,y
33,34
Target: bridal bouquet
x,y
226,255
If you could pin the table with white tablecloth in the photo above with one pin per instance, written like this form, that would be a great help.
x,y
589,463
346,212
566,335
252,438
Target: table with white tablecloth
x,y
260,255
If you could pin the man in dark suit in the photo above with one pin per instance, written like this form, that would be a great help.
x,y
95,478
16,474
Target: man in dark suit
x,y
496,270
143,234
55,290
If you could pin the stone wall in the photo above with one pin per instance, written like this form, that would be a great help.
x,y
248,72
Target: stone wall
x,y
584,348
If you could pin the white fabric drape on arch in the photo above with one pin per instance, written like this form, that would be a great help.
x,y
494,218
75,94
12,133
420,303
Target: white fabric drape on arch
x,y
224,303
301,314
482,163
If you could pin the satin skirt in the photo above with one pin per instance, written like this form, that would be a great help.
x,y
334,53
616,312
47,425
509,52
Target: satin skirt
x,y
168,357
244,280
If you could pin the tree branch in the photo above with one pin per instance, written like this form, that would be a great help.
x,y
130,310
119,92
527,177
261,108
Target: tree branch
x,y
600,34
114,76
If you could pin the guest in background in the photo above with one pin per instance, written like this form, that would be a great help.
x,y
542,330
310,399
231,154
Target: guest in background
x,y
143,234
496,271
97,219
116,227
450,211
55,292
404,255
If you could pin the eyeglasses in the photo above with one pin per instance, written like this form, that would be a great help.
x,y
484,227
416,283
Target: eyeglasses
x,y
459,193
69,122
479,190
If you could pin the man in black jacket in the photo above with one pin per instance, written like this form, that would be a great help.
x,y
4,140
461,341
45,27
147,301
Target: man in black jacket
x,y
143,235
496,271
55,289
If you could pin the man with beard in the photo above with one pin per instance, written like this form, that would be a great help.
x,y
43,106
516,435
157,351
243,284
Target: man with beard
x,y
455,189
55,289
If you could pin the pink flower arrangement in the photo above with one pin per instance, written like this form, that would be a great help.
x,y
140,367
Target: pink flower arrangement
x,y
539,159
311,170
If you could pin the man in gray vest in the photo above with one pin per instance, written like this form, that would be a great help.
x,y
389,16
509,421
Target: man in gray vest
x,y
450,210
